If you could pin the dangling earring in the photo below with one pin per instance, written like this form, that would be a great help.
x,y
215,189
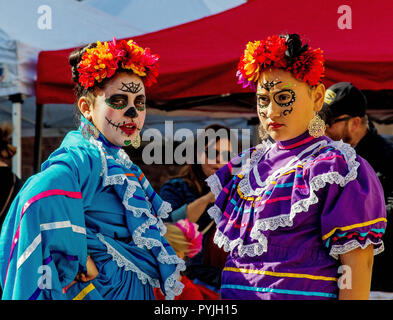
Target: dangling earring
x,y
137,141
316,127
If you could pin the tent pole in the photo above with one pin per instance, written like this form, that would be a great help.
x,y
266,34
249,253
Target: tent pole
x,y
17,101
38,136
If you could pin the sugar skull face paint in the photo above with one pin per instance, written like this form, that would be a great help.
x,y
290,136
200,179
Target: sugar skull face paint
x,y
267,85
285,105
283,98
119,110
131,87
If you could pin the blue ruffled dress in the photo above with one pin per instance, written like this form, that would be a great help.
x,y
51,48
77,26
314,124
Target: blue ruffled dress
x,y
89,199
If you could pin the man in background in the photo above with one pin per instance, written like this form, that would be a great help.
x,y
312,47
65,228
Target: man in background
x,y
344,111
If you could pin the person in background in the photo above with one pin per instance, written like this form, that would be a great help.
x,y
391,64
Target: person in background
x,y
10,183
344,111
190,198
186,240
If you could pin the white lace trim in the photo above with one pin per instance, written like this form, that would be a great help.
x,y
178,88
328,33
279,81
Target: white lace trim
x,y
172,286
122,262
251,250
271,223
215,213
285,220
252,162
337,250
215,185
245,184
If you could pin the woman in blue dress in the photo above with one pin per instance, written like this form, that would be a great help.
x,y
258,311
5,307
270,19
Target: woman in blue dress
x,y
88,226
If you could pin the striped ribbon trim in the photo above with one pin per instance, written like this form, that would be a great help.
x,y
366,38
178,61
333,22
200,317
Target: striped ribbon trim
x,y
282,291
46,261
281,274
352,226
296,144
46,227
44,194
81,295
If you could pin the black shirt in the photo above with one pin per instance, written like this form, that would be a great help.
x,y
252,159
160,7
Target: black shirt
x,y
9,187
378,151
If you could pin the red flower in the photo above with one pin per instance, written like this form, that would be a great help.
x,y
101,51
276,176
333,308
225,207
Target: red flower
x,y
104,60
270,53
308,67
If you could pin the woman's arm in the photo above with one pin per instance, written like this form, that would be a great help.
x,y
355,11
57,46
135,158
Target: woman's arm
x,y
198,206
357,284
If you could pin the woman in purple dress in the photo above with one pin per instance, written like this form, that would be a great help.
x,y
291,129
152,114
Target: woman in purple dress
x,y
301,217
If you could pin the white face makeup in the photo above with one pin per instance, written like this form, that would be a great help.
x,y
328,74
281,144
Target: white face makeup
x,y
119,109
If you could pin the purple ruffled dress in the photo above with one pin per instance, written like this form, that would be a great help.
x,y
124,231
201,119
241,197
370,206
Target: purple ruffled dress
x,y
285,211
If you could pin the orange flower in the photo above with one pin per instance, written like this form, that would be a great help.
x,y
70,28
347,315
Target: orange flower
x,y
103,60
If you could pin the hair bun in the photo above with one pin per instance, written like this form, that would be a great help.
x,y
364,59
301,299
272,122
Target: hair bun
x,y
295,48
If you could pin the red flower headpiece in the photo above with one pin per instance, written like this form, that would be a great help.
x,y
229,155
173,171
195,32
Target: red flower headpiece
x,y
102,62
270,53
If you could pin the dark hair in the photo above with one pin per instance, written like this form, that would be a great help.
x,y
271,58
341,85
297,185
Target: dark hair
x,y
295,47
74,58
7,151
192,173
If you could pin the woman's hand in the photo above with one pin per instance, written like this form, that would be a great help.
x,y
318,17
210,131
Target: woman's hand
x,y
210,198
92,273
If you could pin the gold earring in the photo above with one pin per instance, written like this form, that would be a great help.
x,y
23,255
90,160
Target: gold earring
x,y
316,127
137,141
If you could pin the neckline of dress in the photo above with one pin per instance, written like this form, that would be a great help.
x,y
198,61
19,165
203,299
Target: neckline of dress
x,y
301,140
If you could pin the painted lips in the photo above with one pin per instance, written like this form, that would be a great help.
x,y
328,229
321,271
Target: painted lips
x,y
128,128
275,125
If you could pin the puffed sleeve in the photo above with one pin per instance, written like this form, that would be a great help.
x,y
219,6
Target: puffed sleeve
x,y
43,240
352,200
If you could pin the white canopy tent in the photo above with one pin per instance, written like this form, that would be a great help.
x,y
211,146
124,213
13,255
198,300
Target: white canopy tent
x,y
26,27
154,15
30,26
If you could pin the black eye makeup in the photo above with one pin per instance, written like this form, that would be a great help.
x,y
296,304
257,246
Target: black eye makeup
x,y
120,101
285,98
140,103
117,101
263,100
